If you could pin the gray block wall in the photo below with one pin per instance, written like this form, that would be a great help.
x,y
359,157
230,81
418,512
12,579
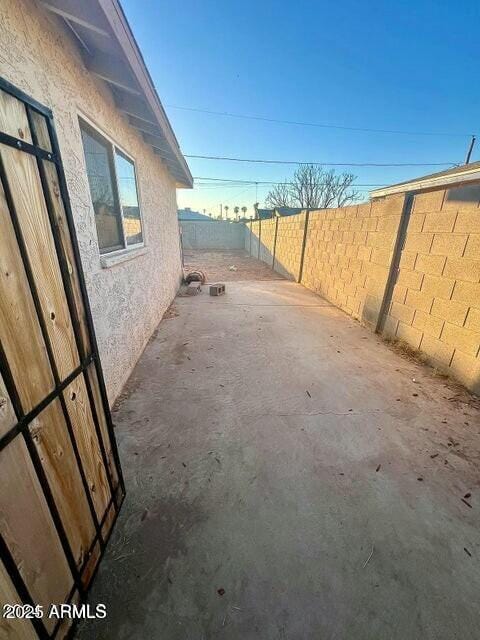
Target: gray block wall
x,y
216,234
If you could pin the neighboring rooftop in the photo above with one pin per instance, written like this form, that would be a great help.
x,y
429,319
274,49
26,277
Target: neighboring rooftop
x,y
460,175
288,211
263,214
189,215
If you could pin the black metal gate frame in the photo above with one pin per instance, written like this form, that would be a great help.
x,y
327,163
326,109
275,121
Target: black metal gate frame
x,y
24,419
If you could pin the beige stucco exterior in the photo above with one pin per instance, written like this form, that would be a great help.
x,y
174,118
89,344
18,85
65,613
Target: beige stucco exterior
x,y
127,296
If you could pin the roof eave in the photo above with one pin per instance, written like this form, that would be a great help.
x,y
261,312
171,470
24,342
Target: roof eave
x,y
110,52
425,184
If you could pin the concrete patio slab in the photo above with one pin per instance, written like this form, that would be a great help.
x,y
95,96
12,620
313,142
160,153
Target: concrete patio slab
x,y
289,476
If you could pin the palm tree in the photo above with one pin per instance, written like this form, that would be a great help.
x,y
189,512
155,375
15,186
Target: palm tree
x,y
244,211
236,210
226,211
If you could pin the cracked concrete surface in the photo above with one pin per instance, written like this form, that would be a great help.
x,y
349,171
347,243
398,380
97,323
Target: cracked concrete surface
x,y
275,449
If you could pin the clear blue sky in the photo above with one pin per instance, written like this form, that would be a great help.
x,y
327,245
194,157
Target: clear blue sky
x,y
409,66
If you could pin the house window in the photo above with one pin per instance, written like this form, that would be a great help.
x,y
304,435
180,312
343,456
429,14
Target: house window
x,y
113,188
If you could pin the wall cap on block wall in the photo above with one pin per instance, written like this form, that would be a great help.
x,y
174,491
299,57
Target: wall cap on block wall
x,y
464,174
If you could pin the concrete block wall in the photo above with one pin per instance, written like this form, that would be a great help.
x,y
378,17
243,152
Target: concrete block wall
x,y
436,300
252,232
289,245
435,306
267,240
260,238
216,234
348,253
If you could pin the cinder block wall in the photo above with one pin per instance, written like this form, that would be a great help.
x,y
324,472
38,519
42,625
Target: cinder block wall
x,y
289,245
268,236
436,300
348,253
435,305
251,238
216,234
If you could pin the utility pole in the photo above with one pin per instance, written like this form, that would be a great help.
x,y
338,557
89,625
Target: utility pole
x,y
470,149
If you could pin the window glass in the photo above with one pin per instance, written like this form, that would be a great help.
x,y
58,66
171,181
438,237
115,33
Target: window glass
x,y
127,186
98,157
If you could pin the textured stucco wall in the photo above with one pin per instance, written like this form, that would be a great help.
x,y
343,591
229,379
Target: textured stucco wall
x,y
128,299
213,235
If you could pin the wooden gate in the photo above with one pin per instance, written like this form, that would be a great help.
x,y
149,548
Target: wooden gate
x,y
61,485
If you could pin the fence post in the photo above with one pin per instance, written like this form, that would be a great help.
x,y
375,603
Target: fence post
x,y
304,242
395,263
275,243
259,236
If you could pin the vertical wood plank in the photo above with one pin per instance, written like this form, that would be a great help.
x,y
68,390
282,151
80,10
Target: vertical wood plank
x,y
27,358
94,383
29,201
12,629
28,529
50,435
66,624
41,130
62,225
13,117
91,566
107,525
78,408
7,414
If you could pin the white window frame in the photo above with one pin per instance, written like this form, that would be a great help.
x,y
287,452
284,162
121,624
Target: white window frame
x,y
117,147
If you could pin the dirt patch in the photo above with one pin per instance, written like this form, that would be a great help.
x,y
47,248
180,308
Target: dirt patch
x,y
171,312
217,266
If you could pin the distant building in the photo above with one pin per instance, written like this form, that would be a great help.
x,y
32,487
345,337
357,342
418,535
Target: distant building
x,y
263,214
277,212
287,211
188,215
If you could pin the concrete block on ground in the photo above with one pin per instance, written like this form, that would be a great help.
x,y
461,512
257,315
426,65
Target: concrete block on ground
x,y
217,289
194,288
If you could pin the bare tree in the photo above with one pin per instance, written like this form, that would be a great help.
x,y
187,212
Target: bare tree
x,y
313,187
280,196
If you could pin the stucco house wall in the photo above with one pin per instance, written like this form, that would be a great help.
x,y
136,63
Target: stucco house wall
x,y
129,296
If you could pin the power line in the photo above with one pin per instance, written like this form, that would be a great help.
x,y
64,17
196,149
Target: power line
x,y
325,164
318,124
234,182
237,195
